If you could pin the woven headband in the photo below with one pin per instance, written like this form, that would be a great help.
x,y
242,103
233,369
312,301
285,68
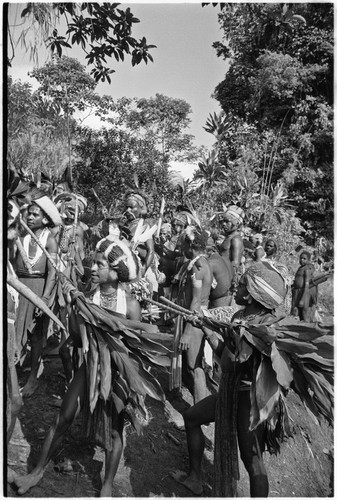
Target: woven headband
x,y
138,197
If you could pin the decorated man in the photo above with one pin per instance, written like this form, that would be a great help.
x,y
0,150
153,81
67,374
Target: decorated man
x,y
194,290
114,379
259,364
39,275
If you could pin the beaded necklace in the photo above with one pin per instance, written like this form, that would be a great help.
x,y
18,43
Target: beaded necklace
x,y
108,300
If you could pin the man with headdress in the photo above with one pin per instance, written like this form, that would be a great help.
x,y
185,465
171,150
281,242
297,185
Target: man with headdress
x,y
70,235
261,289
232,245
114,378
193,294
141,232
39,275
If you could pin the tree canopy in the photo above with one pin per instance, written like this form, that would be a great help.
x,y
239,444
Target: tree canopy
x,y
102,30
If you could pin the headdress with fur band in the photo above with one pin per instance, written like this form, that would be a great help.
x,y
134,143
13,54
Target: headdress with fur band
x,y
139,197
49,209
235,212
116,251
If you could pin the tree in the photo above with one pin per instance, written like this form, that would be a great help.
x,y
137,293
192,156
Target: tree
x,y
107,161
162,120
36,134
280,81
103,30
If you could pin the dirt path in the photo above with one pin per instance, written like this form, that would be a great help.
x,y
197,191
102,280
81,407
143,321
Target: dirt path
x,y
303,469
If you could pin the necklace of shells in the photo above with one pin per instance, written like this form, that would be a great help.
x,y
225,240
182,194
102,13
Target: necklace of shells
x,y
108,300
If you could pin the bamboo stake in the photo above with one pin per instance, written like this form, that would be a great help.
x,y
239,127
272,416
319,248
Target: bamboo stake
x,y
33,298
161,215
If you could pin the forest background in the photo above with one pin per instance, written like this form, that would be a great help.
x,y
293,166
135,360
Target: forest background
x,y
273,139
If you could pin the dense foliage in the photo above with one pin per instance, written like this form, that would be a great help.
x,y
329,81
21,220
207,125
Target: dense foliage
x,y
273,140
279,87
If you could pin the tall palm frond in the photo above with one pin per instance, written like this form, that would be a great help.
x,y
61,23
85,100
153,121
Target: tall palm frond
x,y
219,125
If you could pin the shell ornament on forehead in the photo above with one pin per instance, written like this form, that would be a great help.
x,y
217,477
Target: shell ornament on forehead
x,y
117,252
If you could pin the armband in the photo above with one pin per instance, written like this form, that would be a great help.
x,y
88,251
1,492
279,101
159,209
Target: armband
x,y
196,283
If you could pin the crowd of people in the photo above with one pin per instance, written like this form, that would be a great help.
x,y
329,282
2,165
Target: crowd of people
x,y
211,287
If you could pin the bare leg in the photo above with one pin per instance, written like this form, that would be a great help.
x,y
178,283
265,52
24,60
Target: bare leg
x,y
66,358
36,354
71,406
251,445
199,414
194,375
112,458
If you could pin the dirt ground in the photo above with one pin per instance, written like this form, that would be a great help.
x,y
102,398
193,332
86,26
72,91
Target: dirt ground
x,y
303,469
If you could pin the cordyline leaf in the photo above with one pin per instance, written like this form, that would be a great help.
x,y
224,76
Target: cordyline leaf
x,y
317,380
256,342
254,409
244,351
294,346
300,386
83,333
128,372
105,367
115,321
323,363
151,384
320,397
152,345
264,332
301,330
92,366
325,346
282,367
120,405
114,342
267,389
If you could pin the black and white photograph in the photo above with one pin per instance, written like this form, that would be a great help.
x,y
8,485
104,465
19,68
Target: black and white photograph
x,y
169,185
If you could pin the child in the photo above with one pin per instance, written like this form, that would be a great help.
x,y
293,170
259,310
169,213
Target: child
x,y
259,252
304,296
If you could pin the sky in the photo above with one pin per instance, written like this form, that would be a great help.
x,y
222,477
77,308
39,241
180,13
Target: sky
x,y
185,64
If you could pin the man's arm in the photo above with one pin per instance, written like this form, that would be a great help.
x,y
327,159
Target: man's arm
x,y
236,252
149,254
52,248
196,283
